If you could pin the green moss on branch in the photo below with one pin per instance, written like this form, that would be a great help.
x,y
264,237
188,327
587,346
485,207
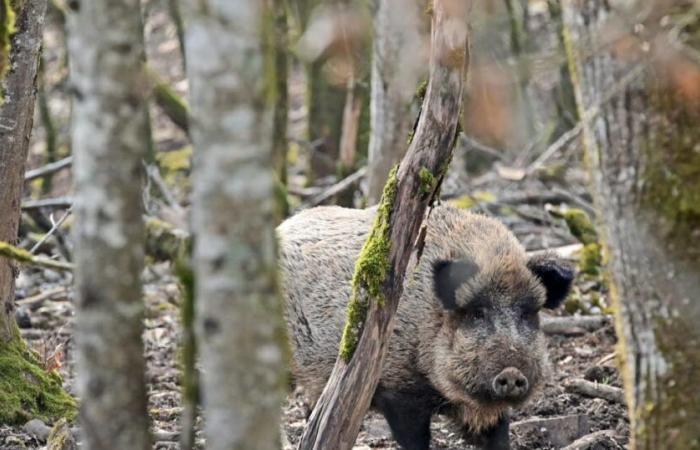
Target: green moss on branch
x,y
172,104
371,269
23,256
580,226
427,180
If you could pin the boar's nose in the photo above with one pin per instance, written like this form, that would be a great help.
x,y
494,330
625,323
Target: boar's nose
x,y
510,384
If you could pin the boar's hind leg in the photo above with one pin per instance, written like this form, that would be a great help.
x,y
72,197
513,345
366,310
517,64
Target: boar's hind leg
x,y
409,421
495,438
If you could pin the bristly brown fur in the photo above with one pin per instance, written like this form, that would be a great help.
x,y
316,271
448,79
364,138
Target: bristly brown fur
x,y
439,356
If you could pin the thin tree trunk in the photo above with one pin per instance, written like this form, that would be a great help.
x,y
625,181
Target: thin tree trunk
x,y
642,148
338,414
395,74
238,313
16,119
280,52
351,126
110,138
325,102
19,367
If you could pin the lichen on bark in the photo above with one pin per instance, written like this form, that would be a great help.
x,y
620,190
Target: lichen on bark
x,y
427,180
371,270
7,28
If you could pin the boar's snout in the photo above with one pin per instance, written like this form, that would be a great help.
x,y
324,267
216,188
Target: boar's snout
x,y
510,384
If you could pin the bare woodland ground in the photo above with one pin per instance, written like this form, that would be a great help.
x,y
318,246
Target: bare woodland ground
x,y
47,323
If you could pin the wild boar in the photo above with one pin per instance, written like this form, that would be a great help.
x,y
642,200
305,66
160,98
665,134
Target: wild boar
x,y
466,341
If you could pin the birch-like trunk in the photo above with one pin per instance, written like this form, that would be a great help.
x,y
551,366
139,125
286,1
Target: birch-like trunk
x,y
396,69
110,139
641,138
238,315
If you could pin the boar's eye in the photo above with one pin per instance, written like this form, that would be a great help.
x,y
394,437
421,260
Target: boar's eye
x,y
476,314
475,310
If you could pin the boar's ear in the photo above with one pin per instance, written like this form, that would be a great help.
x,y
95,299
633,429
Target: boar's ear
x,y
450,275
556,276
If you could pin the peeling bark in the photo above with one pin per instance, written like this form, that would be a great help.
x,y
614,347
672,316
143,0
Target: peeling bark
x,y
642,150
110,139
238,318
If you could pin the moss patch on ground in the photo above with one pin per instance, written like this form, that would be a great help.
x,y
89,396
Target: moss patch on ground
x,y
27,391
371,270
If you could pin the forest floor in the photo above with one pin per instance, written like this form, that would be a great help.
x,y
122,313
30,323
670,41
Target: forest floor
x,y
524,195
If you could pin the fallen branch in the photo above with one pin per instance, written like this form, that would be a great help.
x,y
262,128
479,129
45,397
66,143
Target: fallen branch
x,y
153,173
23,256
55,202
596,390
336,189
564,252
592,441
35,301
563,325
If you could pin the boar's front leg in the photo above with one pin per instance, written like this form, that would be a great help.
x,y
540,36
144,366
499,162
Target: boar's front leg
x,y
494,438
409,420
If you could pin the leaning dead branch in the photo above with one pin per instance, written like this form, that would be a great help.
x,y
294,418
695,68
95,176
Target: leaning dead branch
x,y
53,229
378,285
597,390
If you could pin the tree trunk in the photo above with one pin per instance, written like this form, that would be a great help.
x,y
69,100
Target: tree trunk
x,y
238,313
642,145
26,391
396,69
325,102
110,138
380,269
280,52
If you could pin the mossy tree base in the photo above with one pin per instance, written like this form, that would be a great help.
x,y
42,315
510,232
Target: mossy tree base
x,y
27,391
